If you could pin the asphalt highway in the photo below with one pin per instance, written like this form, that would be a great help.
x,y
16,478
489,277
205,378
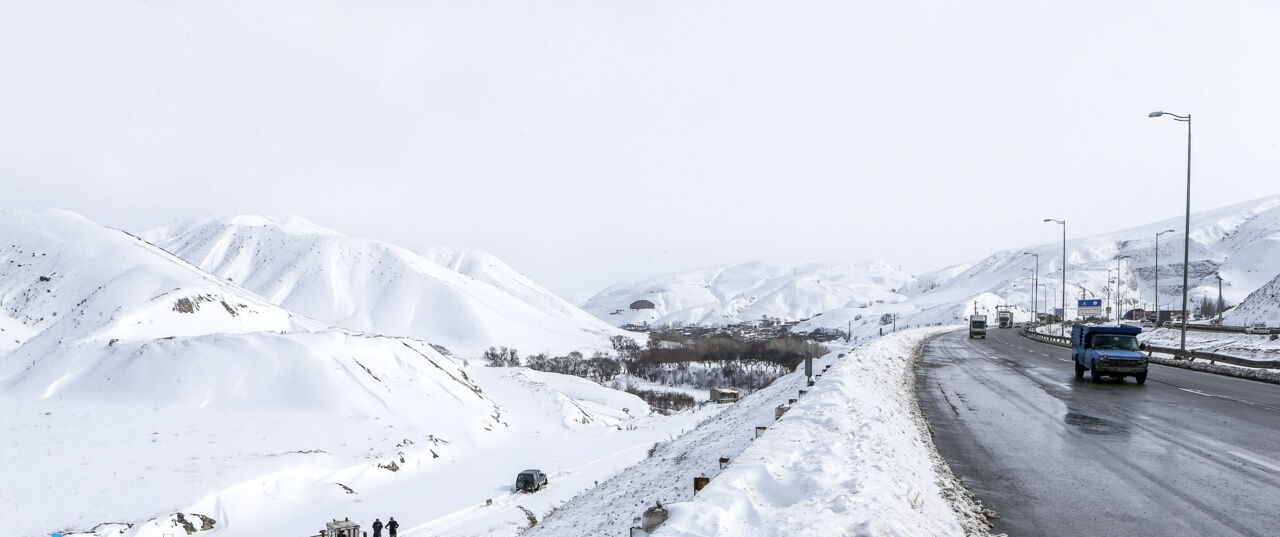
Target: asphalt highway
x,y
1188,453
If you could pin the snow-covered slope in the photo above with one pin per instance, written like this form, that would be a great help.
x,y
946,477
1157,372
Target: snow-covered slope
x,y
67,280
138,388
749,291
472,304
1261,306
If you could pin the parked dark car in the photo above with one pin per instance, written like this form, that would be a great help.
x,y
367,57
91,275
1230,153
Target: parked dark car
x,y
530,481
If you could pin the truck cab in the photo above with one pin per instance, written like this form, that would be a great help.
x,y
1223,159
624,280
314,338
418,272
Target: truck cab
x,y
1108,351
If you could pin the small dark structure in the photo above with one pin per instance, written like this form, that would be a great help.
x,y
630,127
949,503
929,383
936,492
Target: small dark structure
x,y
642,305
725,395
341,528
700,482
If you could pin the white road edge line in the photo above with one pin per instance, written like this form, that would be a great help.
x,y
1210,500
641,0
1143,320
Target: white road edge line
x,y
1255,460
1197,392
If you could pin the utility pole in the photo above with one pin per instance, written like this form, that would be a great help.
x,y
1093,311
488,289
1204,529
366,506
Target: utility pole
x,y
1219,297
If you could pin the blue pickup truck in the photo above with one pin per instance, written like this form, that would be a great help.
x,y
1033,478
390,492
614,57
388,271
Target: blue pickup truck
x,y
1108,351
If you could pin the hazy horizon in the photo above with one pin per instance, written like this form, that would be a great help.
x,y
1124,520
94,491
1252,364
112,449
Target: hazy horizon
x,y
593,143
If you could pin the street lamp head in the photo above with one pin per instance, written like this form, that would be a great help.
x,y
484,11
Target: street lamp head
x,y
1155,114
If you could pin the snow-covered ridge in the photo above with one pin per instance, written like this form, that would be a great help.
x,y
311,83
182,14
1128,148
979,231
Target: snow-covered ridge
x,y
66,279
467,302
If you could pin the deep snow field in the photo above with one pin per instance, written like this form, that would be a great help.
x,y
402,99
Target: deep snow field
x,y
850,457
74,464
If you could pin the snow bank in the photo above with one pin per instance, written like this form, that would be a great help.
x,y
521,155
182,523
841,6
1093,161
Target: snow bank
x,y
852,457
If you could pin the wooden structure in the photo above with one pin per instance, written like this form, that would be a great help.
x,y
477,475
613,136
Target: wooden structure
x,y
724,395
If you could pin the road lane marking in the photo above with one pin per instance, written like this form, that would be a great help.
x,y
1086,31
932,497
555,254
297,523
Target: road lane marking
x,y
1197,392
1256,461
1046,356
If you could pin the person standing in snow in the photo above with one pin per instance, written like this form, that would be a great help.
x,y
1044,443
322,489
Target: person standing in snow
x,y
391,526
377,527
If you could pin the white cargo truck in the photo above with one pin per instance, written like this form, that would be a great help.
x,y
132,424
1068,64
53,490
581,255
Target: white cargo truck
x,y
978,326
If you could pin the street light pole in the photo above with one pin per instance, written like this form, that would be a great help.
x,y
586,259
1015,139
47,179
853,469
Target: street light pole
x,y
1219,308
1046,299
1112,295
1035,288
1186,240
1119,297
1062,327
1158,274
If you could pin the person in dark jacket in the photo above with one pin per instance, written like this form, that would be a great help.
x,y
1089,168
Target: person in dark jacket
x,y
377,527
391,526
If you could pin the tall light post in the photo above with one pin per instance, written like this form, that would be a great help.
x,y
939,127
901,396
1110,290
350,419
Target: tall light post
x,y
1219,308
1186,240
1062,327
1035,287
1158,274
1046,300
1110,294
1119,308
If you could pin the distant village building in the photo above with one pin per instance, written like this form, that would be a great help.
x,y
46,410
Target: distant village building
x,y
642,305
724,395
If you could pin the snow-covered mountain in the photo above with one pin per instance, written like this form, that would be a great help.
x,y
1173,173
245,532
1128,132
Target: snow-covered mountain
x,y
749,291
465,300
1240,243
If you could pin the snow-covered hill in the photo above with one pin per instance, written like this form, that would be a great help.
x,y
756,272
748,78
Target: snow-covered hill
x,y
138,388
465,300
1261,306
1240,243
747,292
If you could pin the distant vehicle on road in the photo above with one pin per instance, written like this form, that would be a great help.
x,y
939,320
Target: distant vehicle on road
x,y
530,481
1111,351
1017,325
1006,318
1148,324
978,326
1257,328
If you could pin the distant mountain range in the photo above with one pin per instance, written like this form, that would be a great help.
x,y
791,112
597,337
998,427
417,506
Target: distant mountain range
x,y
1239,243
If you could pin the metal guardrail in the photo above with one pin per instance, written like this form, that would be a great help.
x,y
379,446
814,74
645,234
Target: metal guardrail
x,y
1220,328
1189,354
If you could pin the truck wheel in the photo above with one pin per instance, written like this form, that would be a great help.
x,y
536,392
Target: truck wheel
x,y
1095,376
1140,377
1079,371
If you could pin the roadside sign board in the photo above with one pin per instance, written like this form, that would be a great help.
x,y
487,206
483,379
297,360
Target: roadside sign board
x,y
1090,308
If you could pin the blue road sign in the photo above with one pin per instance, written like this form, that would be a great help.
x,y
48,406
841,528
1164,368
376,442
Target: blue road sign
x,y
1091,303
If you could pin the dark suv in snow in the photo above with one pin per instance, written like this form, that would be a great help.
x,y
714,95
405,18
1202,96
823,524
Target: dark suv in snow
x,y
530,481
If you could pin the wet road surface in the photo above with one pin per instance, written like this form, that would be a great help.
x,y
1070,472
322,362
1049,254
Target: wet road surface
x,y
1187,453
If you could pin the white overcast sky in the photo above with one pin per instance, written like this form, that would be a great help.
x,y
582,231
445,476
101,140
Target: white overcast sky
x,y
591,142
